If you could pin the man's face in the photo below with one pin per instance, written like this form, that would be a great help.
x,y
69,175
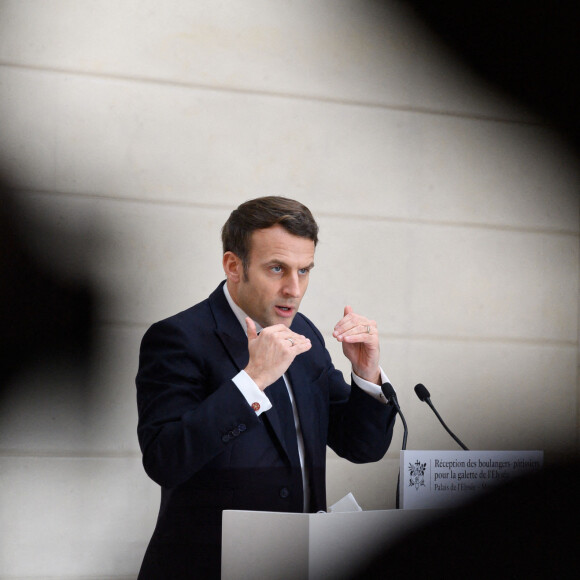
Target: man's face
x,y
277,276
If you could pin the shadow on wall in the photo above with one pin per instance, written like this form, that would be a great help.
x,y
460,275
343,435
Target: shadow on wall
x,y
44,315
529,49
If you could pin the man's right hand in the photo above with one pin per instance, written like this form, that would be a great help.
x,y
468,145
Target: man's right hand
x,y
272,352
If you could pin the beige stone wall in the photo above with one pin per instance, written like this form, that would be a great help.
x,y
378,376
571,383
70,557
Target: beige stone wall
x,y
447,214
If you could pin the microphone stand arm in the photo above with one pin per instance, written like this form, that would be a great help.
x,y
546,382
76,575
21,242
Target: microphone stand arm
x,y
428,401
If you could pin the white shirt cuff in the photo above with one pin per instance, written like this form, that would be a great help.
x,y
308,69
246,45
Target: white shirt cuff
x,y
371,389
256,398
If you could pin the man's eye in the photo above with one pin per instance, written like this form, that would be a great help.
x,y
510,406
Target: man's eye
x,y
276,269
303,271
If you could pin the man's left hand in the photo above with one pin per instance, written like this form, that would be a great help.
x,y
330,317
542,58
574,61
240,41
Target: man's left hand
x,y
360,344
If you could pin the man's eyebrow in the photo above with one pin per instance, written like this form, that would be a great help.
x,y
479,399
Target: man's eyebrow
x,y
275,262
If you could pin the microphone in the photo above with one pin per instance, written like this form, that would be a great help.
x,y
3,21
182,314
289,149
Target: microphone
x,y
391,396
425,396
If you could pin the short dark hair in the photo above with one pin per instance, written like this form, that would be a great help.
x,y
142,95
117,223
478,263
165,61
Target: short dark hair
x,y
262,213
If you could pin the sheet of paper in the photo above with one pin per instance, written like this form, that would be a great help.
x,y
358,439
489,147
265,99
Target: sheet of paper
x,y
346,504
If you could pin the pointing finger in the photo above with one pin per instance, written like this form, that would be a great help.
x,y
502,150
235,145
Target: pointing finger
x,y
338,327
251,328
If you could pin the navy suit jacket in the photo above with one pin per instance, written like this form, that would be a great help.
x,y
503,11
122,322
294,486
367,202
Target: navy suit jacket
x,y
209,451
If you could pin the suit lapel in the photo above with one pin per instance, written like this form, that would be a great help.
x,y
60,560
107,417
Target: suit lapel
x,y
235,342
228,329
306,400
281,417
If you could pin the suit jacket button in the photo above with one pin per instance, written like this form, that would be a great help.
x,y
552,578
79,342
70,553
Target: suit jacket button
x,y
241,427
225,438
284,492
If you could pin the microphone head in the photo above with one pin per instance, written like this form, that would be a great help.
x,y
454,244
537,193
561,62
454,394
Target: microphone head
x,y
388,391
422,392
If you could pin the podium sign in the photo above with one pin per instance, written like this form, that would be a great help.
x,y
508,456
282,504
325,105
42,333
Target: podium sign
x,y
439,479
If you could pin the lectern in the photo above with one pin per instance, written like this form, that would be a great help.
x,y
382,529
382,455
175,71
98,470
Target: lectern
x,y
331,546
284,546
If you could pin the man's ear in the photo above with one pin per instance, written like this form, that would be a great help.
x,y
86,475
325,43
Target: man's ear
x,y
233,267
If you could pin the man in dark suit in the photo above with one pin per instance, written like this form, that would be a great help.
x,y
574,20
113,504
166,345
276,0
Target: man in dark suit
x,y
238,397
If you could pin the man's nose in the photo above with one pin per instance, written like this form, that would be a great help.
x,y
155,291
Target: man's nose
x,y
291,286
